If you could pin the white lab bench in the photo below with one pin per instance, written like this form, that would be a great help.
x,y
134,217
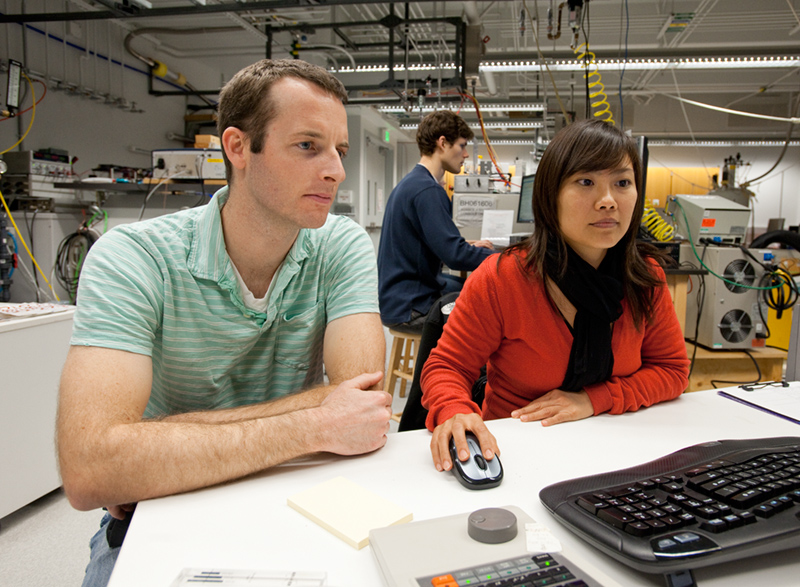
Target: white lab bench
x,y
32,354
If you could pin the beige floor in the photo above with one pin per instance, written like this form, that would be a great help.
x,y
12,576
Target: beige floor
x,y
46,544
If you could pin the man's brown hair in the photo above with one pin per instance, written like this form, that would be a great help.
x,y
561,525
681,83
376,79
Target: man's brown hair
x,y
442,123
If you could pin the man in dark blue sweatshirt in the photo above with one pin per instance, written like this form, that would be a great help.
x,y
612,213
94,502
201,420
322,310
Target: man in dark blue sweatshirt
x,y
418,233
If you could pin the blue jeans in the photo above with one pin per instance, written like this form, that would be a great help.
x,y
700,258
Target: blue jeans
x,y
102,558
450,283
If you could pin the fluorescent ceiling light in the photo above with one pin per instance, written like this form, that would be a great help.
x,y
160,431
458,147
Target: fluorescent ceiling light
x,y
501,142
727,143
769,62
489,125
430,107
649,64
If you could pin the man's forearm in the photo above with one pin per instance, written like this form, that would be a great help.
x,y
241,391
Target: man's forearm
x,y
290,403
155,458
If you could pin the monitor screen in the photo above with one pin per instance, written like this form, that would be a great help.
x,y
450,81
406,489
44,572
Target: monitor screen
x,y
525,210
644,155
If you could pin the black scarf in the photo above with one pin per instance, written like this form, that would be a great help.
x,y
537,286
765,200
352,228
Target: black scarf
x,y
597,296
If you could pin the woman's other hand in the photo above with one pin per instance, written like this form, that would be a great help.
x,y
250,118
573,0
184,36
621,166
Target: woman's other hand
x,y
457,426
555,407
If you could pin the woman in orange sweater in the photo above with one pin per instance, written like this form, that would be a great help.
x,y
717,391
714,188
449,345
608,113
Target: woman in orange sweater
x,y
574,321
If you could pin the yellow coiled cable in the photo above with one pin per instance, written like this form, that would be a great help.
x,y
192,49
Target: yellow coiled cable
x,y
656,225
596,87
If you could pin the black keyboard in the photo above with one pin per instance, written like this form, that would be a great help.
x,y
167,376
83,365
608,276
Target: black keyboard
x,y
705,504
532,570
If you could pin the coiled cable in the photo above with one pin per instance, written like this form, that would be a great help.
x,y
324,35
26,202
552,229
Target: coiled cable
x,y
656,225
594,83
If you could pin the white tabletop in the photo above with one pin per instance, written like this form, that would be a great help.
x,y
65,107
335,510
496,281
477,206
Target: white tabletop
x,y
247,524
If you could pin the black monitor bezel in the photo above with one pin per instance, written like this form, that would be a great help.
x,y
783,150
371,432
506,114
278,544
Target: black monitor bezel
x,y
525,178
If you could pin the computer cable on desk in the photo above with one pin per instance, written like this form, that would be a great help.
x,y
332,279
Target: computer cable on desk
x,y
758,370
680,579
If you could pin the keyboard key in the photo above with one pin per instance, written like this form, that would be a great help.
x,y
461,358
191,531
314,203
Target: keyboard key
x,y
615,517
697,471
747,517
591,505
707,512
677,498
666,544
764,511
748,498
622,491
672,521
715,526
444,581
686,537
672,487
639,528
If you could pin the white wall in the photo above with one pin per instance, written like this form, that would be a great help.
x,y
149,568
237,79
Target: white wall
x,y
86,126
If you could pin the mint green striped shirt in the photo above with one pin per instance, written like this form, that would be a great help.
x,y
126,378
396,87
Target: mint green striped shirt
x,y
166,288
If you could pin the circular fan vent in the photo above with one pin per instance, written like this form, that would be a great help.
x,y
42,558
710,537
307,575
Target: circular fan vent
x,y
735,326
741,272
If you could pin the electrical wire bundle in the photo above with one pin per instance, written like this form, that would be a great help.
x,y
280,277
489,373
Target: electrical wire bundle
x,y
489,148
71,254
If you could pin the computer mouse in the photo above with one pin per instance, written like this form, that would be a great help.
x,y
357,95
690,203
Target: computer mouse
x,y
476,472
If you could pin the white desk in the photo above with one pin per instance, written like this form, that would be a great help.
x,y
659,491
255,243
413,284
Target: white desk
x,y
32,353
247,524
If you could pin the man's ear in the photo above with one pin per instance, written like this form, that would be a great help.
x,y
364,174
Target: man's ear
x,y
236,145
442,143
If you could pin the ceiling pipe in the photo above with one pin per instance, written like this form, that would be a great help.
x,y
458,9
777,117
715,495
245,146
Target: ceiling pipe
x,y
473,16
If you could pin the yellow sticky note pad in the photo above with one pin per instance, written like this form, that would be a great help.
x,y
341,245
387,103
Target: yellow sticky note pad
x,y
348,510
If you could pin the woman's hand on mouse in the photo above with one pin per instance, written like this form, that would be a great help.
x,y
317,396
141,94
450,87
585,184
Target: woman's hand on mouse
x,y
456,427
555,407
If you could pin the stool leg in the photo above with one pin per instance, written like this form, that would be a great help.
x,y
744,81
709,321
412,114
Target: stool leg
x,y
407,366
394,363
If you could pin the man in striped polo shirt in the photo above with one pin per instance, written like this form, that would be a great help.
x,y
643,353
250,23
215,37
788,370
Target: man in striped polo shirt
x,y
200,337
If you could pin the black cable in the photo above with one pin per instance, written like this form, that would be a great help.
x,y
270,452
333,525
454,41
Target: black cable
x,y
764,321
701,298
586,68
757,379
68,269
30,243
203,197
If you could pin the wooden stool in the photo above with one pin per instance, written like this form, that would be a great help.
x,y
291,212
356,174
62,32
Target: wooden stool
x,y
401,360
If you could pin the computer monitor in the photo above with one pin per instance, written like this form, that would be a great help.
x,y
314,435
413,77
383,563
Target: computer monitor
x,y
644,155
525,209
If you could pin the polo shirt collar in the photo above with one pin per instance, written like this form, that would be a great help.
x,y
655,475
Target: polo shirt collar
x,y
208,258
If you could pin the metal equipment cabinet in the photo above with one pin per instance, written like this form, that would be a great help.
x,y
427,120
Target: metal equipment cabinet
x,y
32,353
